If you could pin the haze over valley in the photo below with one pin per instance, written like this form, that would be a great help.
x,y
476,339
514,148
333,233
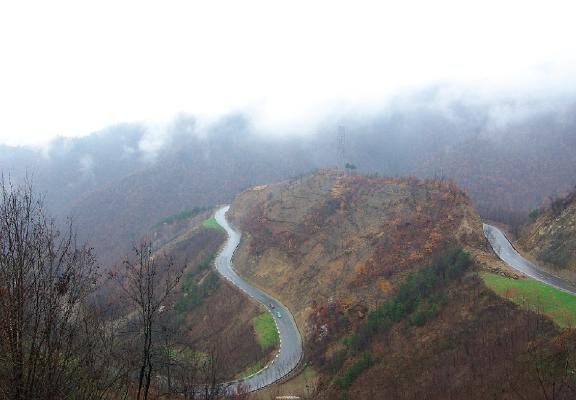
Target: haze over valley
x,y
258,200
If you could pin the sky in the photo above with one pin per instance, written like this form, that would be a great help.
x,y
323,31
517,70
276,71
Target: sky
x,y
73,67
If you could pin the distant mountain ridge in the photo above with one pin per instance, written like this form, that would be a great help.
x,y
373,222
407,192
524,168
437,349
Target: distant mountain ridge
x,y
119,182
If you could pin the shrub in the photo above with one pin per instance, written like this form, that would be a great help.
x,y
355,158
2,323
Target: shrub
x,y
426,311
210,281
418,295
410,296
335,363
355,370
193,293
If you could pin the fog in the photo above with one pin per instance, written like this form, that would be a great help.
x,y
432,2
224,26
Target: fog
x,y
133,111
70,69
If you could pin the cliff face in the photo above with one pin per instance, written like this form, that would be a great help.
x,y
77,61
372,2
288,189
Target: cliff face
x,y
330,237
551,238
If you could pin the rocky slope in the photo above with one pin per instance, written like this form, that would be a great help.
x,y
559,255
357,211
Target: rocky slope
x,y
551,238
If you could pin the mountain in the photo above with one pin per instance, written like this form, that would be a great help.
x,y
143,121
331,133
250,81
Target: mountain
x,y
68,168
515,169
189,172
506,172
312,237
381,275
117,183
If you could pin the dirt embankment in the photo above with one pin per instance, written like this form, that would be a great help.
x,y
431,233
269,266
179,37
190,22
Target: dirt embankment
x,y
551,238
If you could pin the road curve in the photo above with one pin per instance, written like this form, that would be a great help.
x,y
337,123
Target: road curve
x,y
290,351
504,249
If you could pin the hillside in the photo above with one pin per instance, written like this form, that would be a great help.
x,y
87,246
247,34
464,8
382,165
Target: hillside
x,y
513,173
386,304
67,169
506,172
207,314
551,237
328,235
119,182
191,172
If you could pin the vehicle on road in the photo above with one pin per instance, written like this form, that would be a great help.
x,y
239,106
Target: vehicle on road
x,y
291,352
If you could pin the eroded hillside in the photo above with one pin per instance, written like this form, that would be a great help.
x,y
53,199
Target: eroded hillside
x,y
551,237
381,276
329,236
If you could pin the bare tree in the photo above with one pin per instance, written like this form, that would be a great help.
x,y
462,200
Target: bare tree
x,y
45,277
147,282
198,375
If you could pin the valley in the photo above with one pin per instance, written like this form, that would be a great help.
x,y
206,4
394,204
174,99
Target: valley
x,y
330,314
287,200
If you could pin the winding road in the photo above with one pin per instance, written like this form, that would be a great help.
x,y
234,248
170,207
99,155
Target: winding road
x,y
510,256
290,351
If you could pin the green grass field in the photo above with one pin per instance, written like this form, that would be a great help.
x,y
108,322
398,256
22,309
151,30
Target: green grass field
x,y
211,223
529,293
266,332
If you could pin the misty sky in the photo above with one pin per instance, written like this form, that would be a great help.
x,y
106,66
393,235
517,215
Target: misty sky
x,y
72,67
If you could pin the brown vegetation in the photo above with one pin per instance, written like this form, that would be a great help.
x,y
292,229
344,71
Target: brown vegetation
x,y
49,346
60,337
551,237
335,247
480,346
223,318
333,236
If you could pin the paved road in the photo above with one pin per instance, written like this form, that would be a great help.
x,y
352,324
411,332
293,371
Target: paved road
x,y
510,256
290,341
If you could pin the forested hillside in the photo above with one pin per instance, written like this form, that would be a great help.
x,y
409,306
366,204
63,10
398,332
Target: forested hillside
x,y
117,183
